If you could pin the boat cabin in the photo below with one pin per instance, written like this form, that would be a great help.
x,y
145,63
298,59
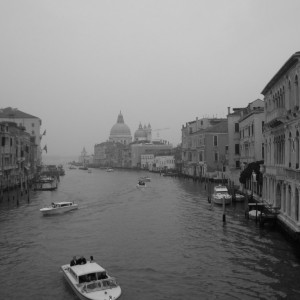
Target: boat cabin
x,y
88,272
61,204
221,189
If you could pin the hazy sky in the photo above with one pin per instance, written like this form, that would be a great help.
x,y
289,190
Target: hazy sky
x,y
77,63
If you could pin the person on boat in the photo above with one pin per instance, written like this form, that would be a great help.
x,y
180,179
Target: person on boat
x,y
73,261
91,259
81,261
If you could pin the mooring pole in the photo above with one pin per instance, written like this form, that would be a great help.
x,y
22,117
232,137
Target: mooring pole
x,y
224,211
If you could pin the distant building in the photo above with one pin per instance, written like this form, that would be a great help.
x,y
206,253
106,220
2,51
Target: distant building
x,y
139,149
245,139
84,158
143,133
196,158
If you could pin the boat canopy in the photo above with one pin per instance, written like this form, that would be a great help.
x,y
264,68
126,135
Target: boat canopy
x,y
87,269
221,189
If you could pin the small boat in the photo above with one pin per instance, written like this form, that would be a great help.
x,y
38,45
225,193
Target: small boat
x,y
221,195
72,167
145,179
109,170
83,168
59,207
141,184
44,179
239,197
255,213
91,281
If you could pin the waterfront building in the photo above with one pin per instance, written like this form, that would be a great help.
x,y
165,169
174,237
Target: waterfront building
x,y
112,154
141,148
31,124
245,140
16,155
120,132
147,161
194,151
163,163
281,172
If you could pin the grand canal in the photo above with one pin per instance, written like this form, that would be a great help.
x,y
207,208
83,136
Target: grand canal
x,y
161,242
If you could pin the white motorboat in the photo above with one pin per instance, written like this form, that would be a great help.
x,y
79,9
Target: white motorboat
x,y
91,281
59,207
221,195
145,179
109,170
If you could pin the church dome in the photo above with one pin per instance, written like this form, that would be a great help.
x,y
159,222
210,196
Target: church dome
x,y
120,132
140,132
120,128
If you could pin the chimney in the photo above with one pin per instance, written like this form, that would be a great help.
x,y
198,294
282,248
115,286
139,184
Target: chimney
x,y
228,108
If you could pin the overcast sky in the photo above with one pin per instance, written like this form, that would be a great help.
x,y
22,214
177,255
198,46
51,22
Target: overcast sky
x,y
76,64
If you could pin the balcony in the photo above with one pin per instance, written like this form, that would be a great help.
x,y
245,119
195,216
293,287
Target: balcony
x,y
279,172
277,114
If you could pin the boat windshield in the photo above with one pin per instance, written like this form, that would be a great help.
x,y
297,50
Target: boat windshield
x,y
92,277
99,285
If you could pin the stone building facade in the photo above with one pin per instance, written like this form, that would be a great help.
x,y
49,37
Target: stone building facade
x,y
281,178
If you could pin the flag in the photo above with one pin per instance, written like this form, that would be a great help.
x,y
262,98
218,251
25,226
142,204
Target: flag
x,y
45,148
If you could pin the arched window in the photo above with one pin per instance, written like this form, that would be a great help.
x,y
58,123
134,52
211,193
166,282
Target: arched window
x,y
290,95
297,101
290,149
283,97
297,205
289,199
297,149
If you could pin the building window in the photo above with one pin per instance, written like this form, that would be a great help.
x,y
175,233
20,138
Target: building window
x,y
237,149
215,140
237,164
236,127
216,156
32,124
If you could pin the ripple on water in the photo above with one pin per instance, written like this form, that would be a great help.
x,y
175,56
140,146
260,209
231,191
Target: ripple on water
x,y
162,242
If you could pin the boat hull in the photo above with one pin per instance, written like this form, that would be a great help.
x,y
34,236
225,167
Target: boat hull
x,y
106,294
60,210
220,200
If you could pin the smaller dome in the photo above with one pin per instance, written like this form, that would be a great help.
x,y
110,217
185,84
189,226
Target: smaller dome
x,y
140,133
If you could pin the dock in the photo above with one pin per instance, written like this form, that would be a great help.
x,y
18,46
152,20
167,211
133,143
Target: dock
x,y
265,213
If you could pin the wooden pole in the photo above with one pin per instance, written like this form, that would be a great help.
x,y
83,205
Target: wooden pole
x,y
224,211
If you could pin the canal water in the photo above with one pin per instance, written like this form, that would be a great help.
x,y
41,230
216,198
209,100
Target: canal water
x,y
161,242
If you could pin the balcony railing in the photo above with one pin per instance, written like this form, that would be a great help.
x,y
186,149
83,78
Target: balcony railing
x,y
275,114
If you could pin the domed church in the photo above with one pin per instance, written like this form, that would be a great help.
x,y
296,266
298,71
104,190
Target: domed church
x,y
143,133
120,132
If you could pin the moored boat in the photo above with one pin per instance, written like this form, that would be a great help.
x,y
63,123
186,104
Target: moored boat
x,y
109,170
221,195
239,197
59,207
91,281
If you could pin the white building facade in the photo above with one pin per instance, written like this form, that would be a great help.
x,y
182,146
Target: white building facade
x,y
281,178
